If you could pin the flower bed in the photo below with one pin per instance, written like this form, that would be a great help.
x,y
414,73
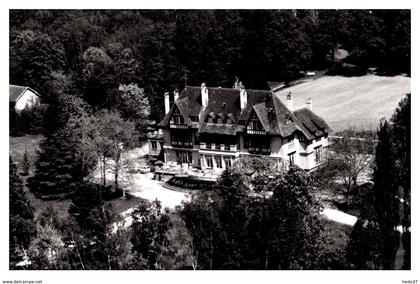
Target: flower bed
x,y
189,182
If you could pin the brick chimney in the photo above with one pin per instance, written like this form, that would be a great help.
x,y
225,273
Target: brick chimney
x,y
289,101
309,103
242,96
204,95
167,105
176,95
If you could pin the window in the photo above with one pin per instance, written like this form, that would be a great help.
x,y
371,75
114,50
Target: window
x,y
258,145
228,162
228,121
177,118
318,139
153,144
184,157
219,120
209,120
209,161
292,158
254,125
290,138
180,138
218,161
318,155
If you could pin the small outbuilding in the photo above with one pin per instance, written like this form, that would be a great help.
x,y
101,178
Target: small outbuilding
x,y
21,96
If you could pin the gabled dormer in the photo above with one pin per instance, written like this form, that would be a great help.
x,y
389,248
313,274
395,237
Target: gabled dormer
x,y
289,119
176,119
254,125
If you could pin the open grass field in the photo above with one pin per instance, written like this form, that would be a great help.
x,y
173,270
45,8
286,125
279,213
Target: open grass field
x,y
345,102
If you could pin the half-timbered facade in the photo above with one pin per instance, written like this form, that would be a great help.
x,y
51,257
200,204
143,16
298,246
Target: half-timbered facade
x,y
209,128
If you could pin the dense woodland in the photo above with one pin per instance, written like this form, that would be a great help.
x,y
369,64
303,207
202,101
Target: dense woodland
x,y
102,75
96,50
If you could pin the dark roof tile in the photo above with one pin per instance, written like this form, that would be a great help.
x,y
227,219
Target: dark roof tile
x,y
224,102
15,92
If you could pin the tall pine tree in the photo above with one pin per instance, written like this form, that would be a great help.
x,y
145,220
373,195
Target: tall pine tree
x,y
59,167
21,224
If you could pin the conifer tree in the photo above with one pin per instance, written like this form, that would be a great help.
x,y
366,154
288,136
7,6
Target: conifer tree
x,y
61,165
402,142
26,163
21,224
385,192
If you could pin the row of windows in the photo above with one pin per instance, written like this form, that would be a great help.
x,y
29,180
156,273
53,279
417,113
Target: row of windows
x,y
181,139
318,156
217,161
219,120
258,146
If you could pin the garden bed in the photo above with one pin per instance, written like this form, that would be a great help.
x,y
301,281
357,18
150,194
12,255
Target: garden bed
x,y
190,183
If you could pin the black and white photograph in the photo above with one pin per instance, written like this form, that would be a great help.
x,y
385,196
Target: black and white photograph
x,y
208,139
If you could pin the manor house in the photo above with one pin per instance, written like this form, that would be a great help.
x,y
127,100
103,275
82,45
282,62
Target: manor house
x,y
208,128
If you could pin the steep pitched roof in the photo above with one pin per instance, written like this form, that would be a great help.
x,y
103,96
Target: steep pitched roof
x,y
224,103
312,123
15,92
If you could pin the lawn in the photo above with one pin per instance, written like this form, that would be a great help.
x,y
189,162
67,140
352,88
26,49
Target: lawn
x,y
350,101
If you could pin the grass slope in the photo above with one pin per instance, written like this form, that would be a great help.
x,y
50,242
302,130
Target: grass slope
x,y
345,102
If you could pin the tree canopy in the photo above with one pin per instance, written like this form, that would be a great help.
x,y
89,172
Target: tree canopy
x,y
166,49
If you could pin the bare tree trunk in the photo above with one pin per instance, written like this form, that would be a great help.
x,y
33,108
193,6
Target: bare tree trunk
x,y
104,170
117,170
80,258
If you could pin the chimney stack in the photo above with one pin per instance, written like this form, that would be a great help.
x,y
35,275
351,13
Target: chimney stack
x,y
289,101
242,96
309,103
176,95
204,95
237,84
167,106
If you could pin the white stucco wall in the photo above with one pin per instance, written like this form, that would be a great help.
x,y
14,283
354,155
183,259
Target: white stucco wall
x,y
28,98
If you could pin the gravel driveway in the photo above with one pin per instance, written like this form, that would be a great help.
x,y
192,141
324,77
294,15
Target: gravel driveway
x,y
143,186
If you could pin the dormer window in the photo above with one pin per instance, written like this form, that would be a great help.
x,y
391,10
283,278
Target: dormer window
x,y
228,121
289,120
219,121
254,125
210,120
177,117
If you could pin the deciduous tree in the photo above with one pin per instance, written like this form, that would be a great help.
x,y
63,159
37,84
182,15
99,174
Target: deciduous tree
x,y
150,233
